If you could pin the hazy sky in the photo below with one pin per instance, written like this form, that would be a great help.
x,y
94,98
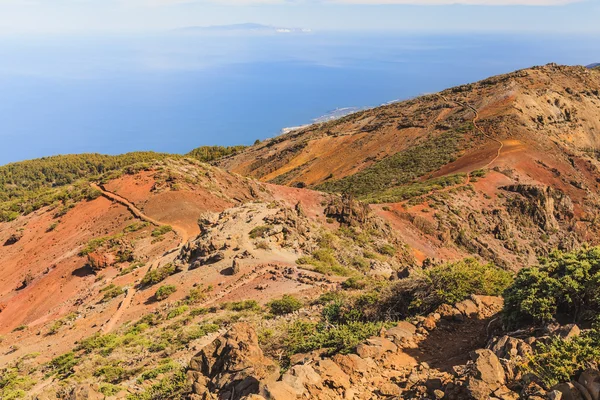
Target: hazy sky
x,y
90,16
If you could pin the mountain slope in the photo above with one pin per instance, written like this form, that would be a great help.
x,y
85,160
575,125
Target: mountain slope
x,y
505,168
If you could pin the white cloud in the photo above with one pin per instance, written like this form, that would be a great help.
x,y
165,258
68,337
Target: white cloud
x,y
464,2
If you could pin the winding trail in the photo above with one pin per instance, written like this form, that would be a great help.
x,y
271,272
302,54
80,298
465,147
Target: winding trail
x,y
480,130
130,292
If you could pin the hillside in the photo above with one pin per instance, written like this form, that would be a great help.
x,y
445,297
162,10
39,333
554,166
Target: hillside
x,y
499,151
457,263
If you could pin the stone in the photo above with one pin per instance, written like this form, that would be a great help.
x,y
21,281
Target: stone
x,y
511,348
375,347
351,363
332,375
590,379
278,391
234,363
404,330
389,389
468,308
555,395
504,393
300,377
568,331
584,392
486,374
568,391
85,391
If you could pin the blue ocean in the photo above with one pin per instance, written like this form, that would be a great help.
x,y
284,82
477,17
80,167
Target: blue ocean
x,y
172,92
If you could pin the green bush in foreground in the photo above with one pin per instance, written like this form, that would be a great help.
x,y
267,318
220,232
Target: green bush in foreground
x,y
157,275
560,359
564,286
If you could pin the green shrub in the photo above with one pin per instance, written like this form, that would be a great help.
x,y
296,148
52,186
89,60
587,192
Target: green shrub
x,y
287,304
164,292
112,373
388,250
172,386
259,231
62,366
166,365
111,291
161,230
157,275
242,305
211,153
177,312
564,286
109,389
560,359
442,284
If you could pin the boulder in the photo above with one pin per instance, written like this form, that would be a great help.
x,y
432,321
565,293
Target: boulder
x,y
352,364
590,379
468,308
332,375
510,348
568,391
390,390
300,378
568,331
13,238
278,391
486,374
375,347
404,330
233,363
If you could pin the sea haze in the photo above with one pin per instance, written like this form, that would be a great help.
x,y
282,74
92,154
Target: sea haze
x,y
176,91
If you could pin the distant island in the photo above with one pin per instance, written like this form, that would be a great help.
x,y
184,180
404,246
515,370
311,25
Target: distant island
x,y
251,28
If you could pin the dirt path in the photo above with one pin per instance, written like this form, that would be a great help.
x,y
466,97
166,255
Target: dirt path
x,y
480,130
182,233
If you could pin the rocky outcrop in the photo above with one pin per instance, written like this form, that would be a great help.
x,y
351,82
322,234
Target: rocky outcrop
x,y
13,238
543,204
99,260
232,366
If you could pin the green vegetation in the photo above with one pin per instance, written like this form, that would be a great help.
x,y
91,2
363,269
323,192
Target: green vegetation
x,y
243,305
560,359
211,153
259,231
443,284
161,230
30,185
400,169
111,291
157,275
286,305
323,260
62,366
416,189
164,292
172,386
14,385
564,286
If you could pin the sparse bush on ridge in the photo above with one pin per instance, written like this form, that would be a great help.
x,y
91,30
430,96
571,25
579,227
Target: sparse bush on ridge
x,y
287,304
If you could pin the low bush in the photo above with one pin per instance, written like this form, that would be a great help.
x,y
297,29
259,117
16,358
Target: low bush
x,y
243,305
111,291
162,230
560,359
157,275
564,287
446,283
164,292
259,231
287,304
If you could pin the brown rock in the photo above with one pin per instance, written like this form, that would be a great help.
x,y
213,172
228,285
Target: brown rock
x,y
351,363
590,379
568,331
85,391
486,374
234,363
468,308
389,389
332,375
568,391
404,330
278,391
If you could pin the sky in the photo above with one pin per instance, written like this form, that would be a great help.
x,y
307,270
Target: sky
x,y
118,16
